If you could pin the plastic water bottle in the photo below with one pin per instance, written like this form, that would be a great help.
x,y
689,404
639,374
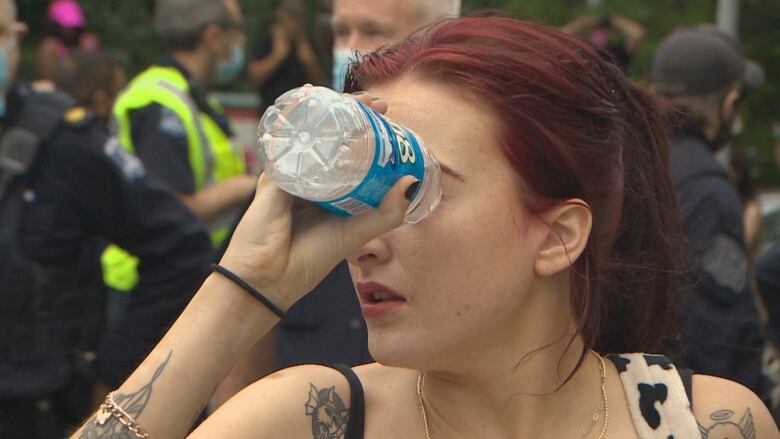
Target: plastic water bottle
x,y
331,149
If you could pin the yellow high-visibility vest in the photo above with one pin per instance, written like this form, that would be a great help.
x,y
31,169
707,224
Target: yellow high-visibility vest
x,y
212,155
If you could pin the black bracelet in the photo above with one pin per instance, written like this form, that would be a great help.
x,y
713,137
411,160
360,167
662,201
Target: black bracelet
x,y
248,288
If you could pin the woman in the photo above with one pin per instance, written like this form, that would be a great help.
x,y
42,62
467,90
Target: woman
x,y
558,233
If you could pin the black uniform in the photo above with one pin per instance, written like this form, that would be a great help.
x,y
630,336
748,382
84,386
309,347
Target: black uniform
x,y
722,333
83,190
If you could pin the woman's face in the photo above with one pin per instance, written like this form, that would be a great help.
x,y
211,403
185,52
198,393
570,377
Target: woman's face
x,y
464,273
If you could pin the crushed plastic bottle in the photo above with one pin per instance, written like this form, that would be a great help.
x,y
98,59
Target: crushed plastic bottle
x,y
333,150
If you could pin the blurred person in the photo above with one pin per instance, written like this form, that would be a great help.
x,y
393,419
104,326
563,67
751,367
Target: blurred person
x,y
286,57
166,118
704,75
558,240
66,31
766,271
767,275
66,187
361,26
323,38
617,35
739,173
93,79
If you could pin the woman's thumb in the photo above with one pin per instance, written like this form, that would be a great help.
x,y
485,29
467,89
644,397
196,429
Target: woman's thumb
x,y
390,214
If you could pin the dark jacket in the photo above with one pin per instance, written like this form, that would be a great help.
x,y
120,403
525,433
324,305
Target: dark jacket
x,y
722,333
82,191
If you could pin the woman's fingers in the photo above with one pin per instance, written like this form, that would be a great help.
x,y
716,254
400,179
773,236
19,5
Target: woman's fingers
x,y
270,202
361,228
268,219
323,239
379,105
374,102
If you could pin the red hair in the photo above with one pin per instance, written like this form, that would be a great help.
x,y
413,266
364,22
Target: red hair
x,y
572,127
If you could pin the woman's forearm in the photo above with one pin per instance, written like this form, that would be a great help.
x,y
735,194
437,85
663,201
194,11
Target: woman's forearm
x,y
284,256
173,384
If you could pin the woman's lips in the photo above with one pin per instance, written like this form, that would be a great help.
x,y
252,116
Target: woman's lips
x,y
377,300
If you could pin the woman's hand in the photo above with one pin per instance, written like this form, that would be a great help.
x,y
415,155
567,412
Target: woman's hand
x,y
284,246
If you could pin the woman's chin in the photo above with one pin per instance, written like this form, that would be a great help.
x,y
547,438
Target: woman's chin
x,y
396,350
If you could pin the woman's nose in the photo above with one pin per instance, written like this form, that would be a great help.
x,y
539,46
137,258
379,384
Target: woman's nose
x,y
374,252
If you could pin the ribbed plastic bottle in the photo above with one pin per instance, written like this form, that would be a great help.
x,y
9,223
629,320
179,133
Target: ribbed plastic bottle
x,y
335,151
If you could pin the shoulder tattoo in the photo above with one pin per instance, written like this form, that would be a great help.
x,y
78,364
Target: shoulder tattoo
x,y
724,425
328,414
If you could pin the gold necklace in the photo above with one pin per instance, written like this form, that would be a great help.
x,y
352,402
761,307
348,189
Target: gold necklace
x,y
604,403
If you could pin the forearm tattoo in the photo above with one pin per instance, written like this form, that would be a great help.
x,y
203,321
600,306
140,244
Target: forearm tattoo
x,y
726,426
328,414
132,403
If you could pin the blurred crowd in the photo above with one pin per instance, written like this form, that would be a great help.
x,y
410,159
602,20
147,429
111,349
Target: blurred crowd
x,y
117,193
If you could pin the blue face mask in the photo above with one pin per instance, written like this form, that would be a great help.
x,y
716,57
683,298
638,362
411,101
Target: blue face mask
x,y
228,71
341,60
5,77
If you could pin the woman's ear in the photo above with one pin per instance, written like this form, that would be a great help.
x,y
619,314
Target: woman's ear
x,y
568,230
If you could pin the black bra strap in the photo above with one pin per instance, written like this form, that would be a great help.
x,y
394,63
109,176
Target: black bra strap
x,y
357,409
686,375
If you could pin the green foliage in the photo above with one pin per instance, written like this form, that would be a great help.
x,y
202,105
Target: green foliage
x,y
125,26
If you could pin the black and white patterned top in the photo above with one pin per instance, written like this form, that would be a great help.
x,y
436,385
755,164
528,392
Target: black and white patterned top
x,y
657,398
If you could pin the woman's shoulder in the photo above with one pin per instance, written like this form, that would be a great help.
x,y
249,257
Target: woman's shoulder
x,y
302,401
721,408
725,408
294,402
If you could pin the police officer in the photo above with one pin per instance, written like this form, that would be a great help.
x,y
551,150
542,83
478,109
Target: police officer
x,y
66,186
181,134
704,74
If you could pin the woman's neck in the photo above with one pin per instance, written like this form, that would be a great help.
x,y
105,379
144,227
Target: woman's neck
x,y
514,382
521,395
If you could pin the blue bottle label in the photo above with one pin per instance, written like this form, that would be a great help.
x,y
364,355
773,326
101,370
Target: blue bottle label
x,y
397,153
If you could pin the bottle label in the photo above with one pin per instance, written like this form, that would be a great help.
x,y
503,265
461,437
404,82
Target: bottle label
x,y
397,154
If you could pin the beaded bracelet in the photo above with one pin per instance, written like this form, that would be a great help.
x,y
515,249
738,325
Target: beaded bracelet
x,y
248,288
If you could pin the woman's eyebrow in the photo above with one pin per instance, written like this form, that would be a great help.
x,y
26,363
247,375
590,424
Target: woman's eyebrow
x,y
447,170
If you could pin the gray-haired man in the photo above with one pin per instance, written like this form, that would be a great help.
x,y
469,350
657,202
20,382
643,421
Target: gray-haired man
x,y
366,25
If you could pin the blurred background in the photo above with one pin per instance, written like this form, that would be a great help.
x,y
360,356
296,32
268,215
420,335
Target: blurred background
x,y
125,29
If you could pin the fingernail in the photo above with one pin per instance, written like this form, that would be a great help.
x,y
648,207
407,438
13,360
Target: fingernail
x,y
411,191
359,93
